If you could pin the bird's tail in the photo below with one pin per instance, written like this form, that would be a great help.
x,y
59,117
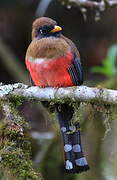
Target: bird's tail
x,y
75,161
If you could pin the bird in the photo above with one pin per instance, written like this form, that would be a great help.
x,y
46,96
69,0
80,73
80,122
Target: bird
x,y
53,60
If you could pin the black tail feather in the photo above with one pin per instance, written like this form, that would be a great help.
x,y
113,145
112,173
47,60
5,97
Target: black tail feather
x,y
75,162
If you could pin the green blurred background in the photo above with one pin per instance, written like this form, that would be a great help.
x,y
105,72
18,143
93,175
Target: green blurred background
x,y
97,43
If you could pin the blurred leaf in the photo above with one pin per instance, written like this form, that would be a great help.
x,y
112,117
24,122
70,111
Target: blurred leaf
x,y
109,67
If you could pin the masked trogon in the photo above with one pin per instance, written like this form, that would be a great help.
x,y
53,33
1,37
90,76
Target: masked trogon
x,y
54,61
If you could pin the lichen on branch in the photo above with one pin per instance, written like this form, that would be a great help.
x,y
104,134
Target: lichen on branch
x,y
75,94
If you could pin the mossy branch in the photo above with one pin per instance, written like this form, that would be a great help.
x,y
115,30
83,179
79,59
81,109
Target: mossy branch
x,y
70,94
15,150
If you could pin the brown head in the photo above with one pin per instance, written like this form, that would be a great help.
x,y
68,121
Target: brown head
x,y
47,41
44,27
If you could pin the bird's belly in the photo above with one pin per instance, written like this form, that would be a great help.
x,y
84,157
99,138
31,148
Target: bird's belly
x,y
52,73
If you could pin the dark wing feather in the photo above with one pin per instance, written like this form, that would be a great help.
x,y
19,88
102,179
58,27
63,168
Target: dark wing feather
x,y
76,71
75,68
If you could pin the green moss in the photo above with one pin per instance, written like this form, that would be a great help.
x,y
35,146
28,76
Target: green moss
x,y
16,100
15,148
107,113
17,163
21,166
15,154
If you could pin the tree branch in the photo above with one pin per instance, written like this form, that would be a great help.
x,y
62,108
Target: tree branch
x,y
79,94
88,4
102,5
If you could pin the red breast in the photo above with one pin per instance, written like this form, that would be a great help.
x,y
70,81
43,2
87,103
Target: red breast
x,y
52,73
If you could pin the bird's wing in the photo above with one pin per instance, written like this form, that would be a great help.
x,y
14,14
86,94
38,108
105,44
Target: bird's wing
x,y
76,71
72,45
75,68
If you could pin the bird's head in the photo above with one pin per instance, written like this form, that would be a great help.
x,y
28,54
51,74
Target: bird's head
x,y
47,40
45,27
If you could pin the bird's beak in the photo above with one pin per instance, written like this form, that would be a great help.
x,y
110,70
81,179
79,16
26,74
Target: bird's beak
x,y
56,29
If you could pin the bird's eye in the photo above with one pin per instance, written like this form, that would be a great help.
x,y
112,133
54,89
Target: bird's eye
x,y
43,31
